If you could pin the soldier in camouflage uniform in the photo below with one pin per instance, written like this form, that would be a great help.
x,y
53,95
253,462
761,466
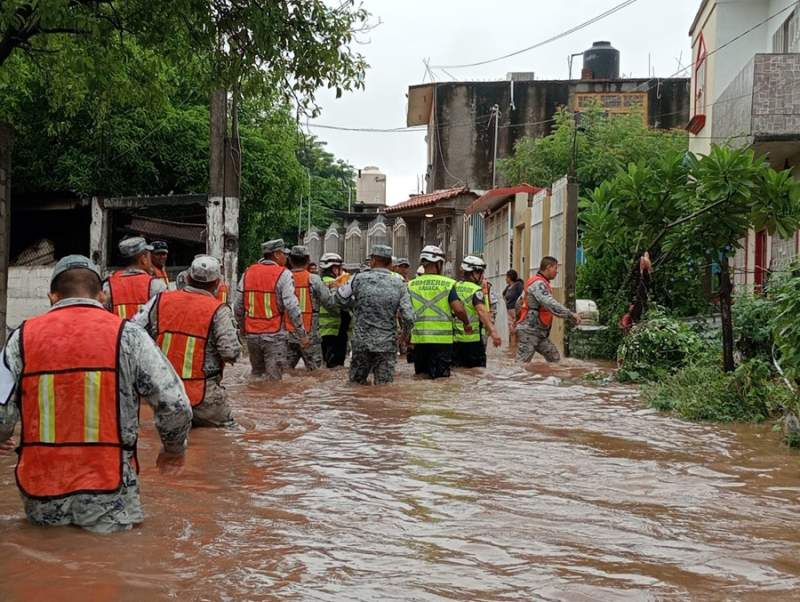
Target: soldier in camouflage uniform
x,y
268,346
537,312
142,371
222,345
320,295
378,299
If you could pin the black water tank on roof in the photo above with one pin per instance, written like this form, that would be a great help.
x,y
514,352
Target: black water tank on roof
x,y
601,61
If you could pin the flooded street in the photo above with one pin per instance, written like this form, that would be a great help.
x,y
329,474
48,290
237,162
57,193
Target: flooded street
x,y
502,486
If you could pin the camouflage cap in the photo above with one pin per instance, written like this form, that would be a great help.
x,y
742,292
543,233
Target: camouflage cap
x,y
271,246
72,262
205,269
403,261
298,251
159,246
381,251
131,247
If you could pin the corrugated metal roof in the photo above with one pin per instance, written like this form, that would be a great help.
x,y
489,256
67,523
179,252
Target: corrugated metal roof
x,y
430,199
497,197
152,228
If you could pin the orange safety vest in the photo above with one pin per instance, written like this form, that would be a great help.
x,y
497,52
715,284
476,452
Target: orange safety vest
x,y
162,274
71,440
184,325
128,292
545,315
261,313
222,292
302,290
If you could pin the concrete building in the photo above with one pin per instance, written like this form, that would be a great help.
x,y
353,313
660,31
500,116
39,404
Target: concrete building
x,y
746,92
461,124
371,186
437,219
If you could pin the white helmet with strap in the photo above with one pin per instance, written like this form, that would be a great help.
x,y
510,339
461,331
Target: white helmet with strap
x,y
473,264
432,254
330,259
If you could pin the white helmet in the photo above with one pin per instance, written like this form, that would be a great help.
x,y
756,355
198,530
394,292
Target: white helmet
x,y
432,253
473,264
330,259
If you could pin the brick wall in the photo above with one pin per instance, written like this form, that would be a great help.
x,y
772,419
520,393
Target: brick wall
x,y
6,141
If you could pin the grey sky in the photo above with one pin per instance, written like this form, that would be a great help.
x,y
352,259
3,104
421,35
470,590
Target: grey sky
x,y
464,31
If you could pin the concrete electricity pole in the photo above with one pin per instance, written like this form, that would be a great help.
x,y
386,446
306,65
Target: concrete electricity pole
x,y
222,210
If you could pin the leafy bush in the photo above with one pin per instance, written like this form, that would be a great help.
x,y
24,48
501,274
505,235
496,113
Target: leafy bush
x,y
752,326
702,391
657,348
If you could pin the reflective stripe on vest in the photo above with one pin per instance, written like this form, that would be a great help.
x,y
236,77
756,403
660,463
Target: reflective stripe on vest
x,y
545,316
433,319
261,313
184,325
466,290
302,290
128,292
71,439
329,323
222,293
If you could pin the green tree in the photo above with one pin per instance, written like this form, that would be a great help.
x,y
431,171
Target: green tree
x,y
603,146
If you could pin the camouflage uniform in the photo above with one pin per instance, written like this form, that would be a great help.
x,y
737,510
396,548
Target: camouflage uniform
x,y
311,355
156,286
222,346
144,372
532,335
378,297
268,351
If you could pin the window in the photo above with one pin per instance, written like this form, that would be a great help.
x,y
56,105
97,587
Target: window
x,y
700,77
783,40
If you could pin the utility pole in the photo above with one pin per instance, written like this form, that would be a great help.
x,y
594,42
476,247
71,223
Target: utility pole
x,y
571,229
309,200
496,111
222,210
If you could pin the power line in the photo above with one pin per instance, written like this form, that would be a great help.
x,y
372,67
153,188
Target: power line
x,y
729,42
563,34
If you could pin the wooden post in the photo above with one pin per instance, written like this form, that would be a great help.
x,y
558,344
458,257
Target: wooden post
x,y
725,302
98,234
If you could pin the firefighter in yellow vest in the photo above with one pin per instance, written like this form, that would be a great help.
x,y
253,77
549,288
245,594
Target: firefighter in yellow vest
x,y
334,324
74,376
197,333
469,350
539,307
435,301
312,294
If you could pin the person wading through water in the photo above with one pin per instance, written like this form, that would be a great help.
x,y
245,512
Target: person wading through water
x,y
539,307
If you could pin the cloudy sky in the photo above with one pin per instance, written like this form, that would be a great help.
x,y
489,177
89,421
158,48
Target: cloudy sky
x,y
464,31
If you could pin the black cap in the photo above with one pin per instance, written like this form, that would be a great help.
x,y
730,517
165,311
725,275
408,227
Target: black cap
x,y
159,246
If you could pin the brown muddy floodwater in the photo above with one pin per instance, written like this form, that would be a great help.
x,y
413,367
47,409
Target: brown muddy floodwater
x,y
494,485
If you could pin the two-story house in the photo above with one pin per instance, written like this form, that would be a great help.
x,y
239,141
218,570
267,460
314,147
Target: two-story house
x,y
746,91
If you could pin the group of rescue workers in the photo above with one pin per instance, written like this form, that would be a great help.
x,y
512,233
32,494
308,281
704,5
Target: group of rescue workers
x,y
74,376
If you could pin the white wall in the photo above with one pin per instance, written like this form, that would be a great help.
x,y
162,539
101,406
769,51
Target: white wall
x,y
27,292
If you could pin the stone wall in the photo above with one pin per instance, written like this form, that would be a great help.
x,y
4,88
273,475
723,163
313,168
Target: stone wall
x,y
27,292
6,142
776,98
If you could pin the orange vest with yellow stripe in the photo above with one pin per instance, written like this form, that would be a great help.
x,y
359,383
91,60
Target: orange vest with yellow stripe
x,y
222,292
545,315
128,292
261,313
184,325
161,274
302,290
71,440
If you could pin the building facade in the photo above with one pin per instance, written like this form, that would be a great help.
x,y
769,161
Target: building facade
x,y
461,116
746,92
